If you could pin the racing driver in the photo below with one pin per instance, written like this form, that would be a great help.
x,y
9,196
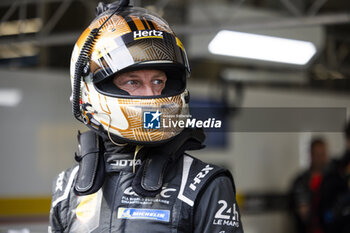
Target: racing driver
x,y
128,72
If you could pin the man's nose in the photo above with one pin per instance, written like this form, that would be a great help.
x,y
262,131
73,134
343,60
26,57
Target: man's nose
x,y
148,90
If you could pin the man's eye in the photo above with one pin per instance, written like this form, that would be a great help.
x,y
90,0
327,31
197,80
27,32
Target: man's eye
x,y
158,81
131,82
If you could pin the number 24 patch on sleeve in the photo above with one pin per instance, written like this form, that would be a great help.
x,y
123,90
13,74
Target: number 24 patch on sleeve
x,y
226,215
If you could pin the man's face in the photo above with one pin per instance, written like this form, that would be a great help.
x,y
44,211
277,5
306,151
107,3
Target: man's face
x,y
319,155
141,82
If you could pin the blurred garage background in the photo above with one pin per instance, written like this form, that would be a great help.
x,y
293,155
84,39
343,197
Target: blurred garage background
x,y
309,95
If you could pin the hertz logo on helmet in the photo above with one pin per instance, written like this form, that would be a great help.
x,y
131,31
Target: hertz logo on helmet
x,y
141,34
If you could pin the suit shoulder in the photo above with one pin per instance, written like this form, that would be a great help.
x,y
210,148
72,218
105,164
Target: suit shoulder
x,y
63,184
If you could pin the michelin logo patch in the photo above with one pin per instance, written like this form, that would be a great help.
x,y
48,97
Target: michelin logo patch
x,y
134,213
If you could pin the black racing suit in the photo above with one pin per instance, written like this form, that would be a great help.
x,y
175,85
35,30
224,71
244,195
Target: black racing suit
x,y
194,197
305,193
335,196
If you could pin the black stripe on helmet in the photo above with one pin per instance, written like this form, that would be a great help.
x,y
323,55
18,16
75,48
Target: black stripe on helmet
x,y
130,22
150,23
144,23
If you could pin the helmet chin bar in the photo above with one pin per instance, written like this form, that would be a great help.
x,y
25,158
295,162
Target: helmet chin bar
x,y
93,124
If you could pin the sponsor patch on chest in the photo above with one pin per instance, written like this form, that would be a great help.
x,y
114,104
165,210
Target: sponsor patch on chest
x,y
166,197
147,214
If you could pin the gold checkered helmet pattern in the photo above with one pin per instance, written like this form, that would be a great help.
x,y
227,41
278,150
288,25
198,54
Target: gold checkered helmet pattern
x,y
133,39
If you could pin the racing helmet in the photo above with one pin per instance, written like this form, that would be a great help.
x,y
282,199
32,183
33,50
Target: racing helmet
x,y
127,40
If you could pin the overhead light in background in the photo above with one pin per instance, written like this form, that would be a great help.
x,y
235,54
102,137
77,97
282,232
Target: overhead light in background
x,y
10,97
261,47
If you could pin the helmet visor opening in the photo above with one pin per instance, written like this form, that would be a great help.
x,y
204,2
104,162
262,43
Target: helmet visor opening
x,y
175,83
